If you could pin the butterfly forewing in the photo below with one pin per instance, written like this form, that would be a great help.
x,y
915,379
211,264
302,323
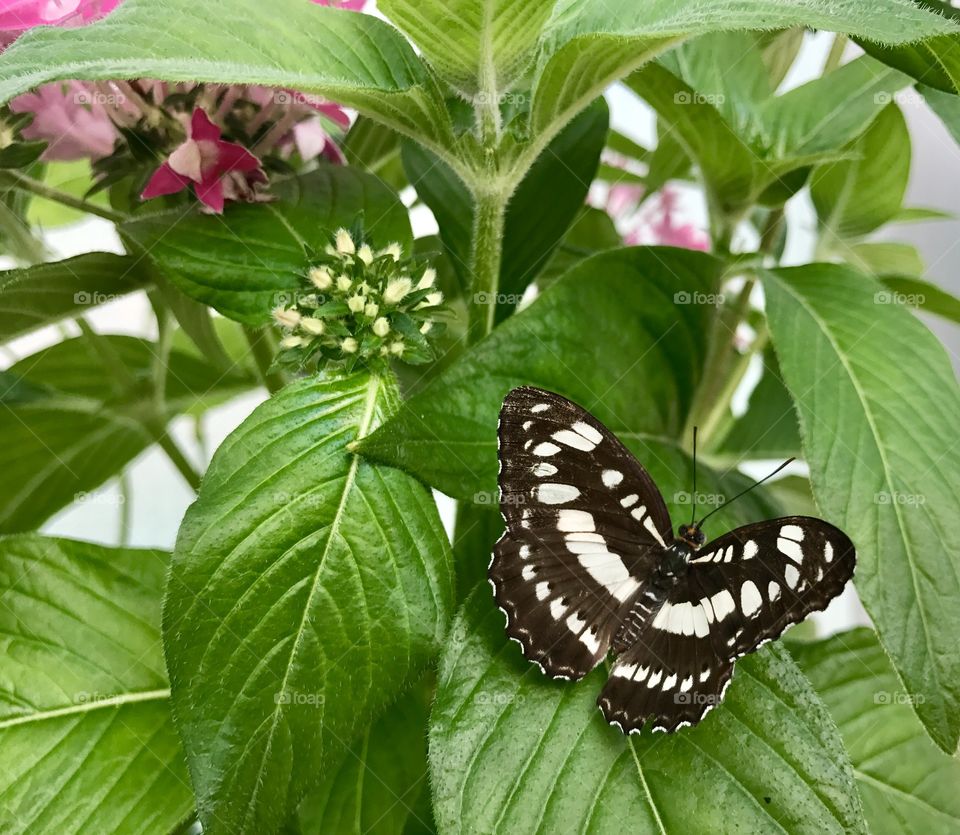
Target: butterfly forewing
x,y
741,590
585,527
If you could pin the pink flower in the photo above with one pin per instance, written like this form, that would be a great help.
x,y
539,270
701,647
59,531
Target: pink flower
x,y
652,224
218,170
19,15
70,117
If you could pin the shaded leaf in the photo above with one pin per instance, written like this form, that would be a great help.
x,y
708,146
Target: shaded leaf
x,y
46,293
87,739
866,376
906,782
281,625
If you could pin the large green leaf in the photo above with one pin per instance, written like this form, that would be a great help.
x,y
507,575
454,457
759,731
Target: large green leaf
x,y
906,782
878,405
243,262
376,789
541,210
856,196
513,751
86,737
588,44
637,373
477,46
307,588
47,293
946,106
915,292
355,59
77,426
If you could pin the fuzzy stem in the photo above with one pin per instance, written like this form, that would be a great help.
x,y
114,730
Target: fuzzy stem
x,y
486,253
15,179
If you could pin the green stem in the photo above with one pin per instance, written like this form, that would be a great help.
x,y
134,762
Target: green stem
x,y
486,253
264,350
125,510
14,179
179,460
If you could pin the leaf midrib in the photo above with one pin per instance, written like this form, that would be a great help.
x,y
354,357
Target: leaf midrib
x,y
363,426
120,700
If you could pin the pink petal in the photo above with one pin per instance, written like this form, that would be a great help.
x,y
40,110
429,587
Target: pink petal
x,y
187,161
164,181
233,157
201,128
210,193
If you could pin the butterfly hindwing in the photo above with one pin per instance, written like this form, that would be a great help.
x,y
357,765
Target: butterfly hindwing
x,y
740,591
585,527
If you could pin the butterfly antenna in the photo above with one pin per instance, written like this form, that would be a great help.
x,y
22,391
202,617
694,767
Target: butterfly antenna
x,y
744,492
693,494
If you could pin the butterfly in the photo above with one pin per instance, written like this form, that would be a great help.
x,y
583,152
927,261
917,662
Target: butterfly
x,y
589,564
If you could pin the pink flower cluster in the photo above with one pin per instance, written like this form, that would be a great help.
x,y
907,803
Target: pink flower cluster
x,y
81,120
656,223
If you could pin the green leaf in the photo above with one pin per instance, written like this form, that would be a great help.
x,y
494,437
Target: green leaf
x,y
307,588
541,210
243,262
915,292
946,106
377,787
36,296
87,739
856,196
907,784
878,402
768,429
882,257
476,47
364,62
919,214
78,426
637,373
478,526
590,43
593,231
513,751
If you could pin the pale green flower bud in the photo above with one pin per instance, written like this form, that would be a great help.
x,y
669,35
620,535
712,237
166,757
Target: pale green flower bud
x,y
314,327
320,278
365,254
397,347
396,290
345,244
344,283
292,342
349,345
371,310
356,304
429,277
381,327
286,317
425,327
393,251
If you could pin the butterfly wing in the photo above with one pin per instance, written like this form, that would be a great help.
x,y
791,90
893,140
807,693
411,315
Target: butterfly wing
x,y
739,592
585,525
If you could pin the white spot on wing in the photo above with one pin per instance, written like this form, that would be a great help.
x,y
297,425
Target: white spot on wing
x,y
750,550
773,591
662,619
557,609
791,575
573,439
527,424
574,520
794,532
545,449
624,670
750,599
723,604
529,572
626,501
700,626
609,571
588,432
790,548
652,529
655,679
611,478
828,552
686,684
524,552
705,674
542,468
542,590
540,407
670,682
554,493
589,640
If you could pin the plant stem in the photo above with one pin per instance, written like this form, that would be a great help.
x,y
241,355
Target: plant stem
x,y
179,460
263,350
486,253
15,179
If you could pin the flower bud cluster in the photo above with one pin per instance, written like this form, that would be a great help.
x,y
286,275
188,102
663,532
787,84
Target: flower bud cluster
x,y
357,305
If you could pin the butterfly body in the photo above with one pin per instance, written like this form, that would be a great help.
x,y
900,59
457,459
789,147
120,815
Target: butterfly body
x,y
589,564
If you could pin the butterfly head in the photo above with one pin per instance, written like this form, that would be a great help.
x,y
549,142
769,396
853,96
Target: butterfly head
x,y
691,535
